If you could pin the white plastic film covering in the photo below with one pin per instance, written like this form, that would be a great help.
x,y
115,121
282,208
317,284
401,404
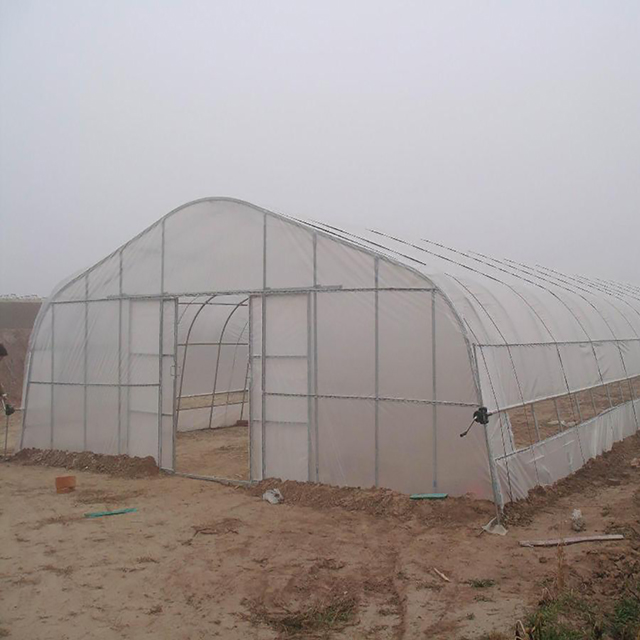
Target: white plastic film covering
x,y
213,247
285,431
346,343
405,358
222,416
346,442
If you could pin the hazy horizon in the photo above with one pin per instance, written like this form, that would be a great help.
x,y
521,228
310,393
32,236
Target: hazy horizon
x,y
512,129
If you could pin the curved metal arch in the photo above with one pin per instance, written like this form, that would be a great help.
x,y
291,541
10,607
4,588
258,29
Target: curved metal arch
x,y
215,377
186,349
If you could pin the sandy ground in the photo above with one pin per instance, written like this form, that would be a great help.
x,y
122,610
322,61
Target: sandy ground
x,y
222,452
198,559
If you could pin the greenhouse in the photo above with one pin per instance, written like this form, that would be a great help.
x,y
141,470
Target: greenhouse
x,y
228,341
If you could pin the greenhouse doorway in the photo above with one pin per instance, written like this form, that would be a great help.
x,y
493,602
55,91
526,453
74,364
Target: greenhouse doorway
x,y
212,387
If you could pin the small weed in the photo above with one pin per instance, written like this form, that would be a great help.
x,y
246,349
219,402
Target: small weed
x,y
481,583
571,618
624,622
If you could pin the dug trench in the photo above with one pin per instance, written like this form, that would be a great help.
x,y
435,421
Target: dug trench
x,y
202,560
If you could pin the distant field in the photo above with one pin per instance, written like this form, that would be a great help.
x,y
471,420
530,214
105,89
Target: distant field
x,y
16,321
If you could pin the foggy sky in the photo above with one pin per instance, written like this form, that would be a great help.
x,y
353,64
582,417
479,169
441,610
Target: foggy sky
x,y
511,128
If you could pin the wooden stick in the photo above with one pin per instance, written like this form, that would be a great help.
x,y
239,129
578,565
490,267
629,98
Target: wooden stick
x,y
441,575
558,541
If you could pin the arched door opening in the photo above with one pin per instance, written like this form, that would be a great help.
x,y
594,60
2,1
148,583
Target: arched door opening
x,y
212,387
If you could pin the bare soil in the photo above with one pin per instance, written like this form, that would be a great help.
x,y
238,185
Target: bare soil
x,y
202,560
221,452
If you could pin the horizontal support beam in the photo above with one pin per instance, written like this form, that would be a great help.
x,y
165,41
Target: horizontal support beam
x,y
213,344
559,342
92,384
372,398
258,356
195,476
268,291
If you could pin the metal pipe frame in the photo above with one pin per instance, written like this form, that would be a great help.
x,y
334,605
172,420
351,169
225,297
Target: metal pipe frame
x,y
120,275
184,355
94,384
213,344
315,356
567,287
53,369
215,376
250,373
443,403
464,329
535,423
86,362
434,391
248,292
263,345
532,309
376,428
334,237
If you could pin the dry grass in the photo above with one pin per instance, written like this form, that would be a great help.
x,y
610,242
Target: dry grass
x,y
334,611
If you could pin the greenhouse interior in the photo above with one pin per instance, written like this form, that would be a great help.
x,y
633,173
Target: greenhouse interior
x,y
228,341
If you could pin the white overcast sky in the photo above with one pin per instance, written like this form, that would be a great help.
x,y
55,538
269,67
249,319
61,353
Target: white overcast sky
x,y
511,128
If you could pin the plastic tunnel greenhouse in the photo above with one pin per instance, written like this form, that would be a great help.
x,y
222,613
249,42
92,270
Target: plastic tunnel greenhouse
x,y
351,357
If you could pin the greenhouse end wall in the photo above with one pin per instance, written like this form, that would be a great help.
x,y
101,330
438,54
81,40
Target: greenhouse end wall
x,y
361,373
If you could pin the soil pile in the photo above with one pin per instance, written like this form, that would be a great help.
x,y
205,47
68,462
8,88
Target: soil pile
x,y
121,466
378,502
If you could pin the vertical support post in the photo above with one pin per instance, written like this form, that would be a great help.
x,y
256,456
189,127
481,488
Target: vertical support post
x,y
315,356
493,471
250,373
575,395
160,380
376,270
434,392
174,414
120,355
621,391
129,341
555,402
309,392
593,402
53,369
535,423
263,360
161,347
244,390
85,377
606,388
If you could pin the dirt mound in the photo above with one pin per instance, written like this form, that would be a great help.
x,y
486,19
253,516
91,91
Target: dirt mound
x,y
121,466
610,469
378,502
